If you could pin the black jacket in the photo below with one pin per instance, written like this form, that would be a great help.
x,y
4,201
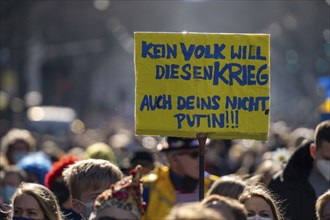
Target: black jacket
x,y
293,188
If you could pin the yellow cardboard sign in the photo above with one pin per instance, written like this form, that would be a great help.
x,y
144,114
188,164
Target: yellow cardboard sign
x,y
190,83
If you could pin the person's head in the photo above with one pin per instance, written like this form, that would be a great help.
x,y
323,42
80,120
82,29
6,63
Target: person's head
x,y
87,179
320,149
36,165
35,201
182,155
54,180
17,143
122,201
100,150
193,211
323,206
230,208
259,202
265,171
13,177
229,186
143,158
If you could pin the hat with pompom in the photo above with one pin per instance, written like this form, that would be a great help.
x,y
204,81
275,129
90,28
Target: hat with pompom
x,y
125,194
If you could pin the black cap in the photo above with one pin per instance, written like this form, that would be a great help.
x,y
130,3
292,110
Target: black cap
x,y
142,157
177,143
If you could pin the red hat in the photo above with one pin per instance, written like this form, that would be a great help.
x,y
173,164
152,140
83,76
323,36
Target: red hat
x,y
57,169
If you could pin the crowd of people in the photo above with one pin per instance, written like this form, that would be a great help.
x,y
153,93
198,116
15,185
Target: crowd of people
x,y
287,177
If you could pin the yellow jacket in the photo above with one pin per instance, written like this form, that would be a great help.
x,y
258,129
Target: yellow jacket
x,y
161,193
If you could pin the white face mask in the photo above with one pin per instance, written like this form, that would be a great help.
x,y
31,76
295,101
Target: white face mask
x,y
88,206
258,217
324,167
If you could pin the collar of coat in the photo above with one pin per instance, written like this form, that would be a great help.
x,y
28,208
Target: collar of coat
x,y
299,165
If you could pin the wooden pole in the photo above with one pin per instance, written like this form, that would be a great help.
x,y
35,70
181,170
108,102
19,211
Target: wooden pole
x,y
201,137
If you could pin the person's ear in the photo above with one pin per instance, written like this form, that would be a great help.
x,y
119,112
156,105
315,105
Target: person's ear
x,y
312,150
76,206
172,159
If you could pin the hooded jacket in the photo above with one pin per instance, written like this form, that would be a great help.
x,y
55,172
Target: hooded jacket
x,y
295,193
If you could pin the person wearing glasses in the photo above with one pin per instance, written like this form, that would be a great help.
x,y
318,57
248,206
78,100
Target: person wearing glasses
x,y
167,186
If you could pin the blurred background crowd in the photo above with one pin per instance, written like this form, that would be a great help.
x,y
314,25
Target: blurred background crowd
x,y
79,55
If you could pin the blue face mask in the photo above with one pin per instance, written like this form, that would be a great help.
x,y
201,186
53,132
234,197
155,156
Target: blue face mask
x,y
258,217
17,156
23,218
88,206
7,193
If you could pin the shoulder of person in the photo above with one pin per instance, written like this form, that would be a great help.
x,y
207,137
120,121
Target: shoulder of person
x,y
154,175
213,177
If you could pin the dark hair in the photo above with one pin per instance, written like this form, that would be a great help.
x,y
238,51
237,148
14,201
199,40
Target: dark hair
x,y
13,169
178,143
143,158
230,186
224,205
322,133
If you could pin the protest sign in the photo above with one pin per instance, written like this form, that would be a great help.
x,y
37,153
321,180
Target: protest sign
x,y
190,83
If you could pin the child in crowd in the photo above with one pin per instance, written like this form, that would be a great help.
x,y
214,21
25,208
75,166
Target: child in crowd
x,y
86,180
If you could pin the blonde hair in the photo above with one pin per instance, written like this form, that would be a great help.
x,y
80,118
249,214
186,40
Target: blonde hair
x,y
90,173
193,211
44,197
321,202
262,192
